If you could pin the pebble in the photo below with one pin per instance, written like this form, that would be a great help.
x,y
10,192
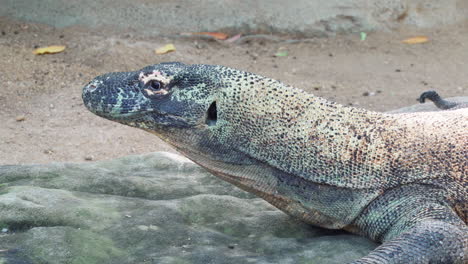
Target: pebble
x,y
368,93
48,151
199,45
4,230
89,157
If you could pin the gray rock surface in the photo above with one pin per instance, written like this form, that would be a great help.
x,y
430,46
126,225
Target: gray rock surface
x,y
154,208
303,17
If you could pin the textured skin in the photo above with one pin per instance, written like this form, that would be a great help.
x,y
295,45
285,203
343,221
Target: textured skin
x,y
399,179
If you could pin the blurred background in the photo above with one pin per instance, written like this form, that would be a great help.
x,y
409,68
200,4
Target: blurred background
x,y
380,55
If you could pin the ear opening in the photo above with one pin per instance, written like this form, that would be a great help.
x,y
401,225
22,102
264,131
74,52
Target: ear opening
x,y
212,115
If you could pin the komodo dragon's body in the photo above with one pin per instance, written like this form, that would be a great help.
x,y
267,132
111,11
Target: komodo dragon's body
x,y
400,179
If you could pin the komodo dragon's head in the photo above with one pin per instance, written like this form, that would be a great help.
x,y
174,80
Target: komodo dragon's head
x,y
180,103
161,95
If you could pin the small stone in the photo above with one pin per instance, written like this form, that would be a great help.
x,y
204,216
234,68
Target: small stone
x,y
154,228
51,106
199,45
48,151
397,70
143,227
89,157
20,118
4,230
253,55
368,93
128,216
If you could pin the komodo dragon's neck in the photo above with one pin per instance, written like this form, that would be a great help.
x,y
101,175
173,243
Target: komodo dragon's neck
x,y
323,141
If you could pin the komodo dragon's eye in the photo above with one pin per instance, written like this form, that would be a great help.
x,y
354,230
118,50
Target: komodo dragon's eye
x,y
155,85
153,89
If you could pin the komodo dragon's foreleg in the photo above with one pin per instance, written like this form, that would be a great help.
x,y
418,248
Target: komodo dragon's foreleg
x,y
414,228
430,241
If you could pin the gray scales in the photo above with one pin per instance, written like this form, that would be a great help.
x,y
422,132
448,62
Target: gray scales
x,y
399,179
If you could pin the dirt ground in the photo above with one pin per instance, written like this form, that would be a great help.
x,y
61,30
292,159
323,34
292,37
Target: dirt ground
x,y
380,74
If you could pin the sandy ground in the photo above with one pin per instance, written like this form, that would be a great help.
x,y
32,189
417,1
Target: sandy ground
x,y
379,73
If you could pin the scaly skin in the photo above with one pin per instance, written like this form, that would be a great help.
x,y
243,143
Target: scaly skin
x,y
399,179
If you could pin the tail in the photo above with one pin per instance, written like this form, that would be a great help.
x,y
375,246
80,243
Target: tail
x,y
437,100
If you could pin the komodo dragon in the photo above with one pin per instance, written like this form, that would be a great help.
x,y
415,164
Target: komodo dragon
x,y
400,179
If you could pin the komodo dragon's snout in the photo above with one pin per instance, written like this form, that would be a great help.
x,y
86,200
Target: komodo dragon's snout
x,y
400,179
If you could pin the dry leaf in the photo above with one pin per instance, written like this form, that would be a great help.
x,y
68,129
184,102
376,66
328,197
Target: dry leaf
x,y
363,36
20,118
234,38
49,50
416,40
165,49
216,35
281,54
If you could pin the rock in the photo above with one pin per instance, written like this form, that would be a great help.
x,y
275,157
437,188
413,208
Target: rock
x,y
158,208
